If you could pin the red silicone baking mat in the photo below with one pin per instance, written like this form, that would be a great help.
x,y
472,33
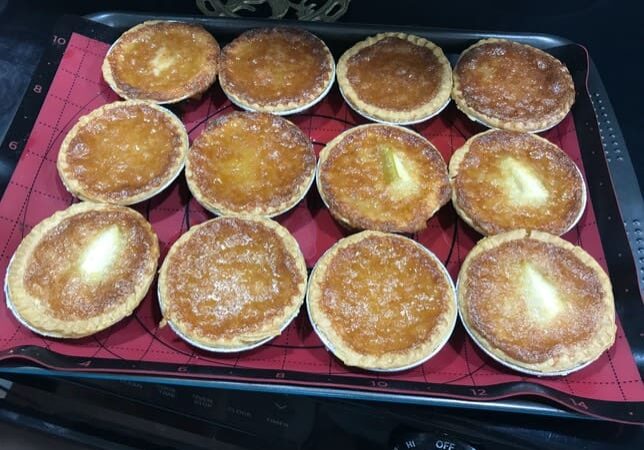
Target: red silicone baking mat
x,y
610,387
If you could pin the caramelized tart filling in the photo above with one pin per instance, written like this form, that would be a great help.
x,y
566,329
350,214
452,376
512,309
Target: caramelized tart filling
x,y
510,81
532,299
127,150
229,278
245,161
90,263
162,61
395,74
383,178
274,66
511,180
383,294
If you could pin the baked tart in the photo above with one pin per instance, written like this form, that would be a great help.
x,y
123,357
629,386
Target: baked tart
x,y
382,177
395,78
536,303
250,163
82,270
162,61
276,70
381,301
123,153
507,180
512,86
232,283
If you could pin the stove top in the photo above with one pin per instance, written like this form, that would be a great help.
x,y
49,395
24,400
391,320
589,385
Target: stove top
x,y
134,415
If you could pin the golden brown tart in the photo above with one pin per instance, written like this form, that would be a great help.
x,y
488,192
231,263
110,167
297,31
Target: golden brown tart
x,y
82,270
123,153
381,301
162,61
395,78
250,163
536,302
232,283
382,177
277,70
506,180
512,86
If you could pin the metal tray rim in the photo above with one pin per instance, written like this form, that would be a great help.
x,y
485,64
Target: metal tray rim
x,y
546,41
503,405
105,17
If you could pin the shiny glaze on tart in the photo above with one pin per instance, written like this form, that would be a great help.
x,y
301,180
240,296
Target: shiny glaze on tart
x,y
231,282
82,269
122,153
250,163
536,302
395,78
382,177
163,62
512,86
276,70
506,180
381,301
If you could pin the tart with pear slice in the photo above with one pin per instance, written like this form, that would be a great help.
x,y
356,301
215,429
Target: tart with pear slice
x,y
82,270
383,178
536,302
505,180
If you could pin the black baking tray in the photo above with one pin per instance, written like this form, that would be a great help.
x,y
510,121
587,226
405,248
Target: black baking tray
x,y
612,182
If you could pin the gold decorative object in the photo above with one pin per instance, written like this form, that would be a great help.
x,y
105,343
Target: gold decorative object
x,y
325,11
